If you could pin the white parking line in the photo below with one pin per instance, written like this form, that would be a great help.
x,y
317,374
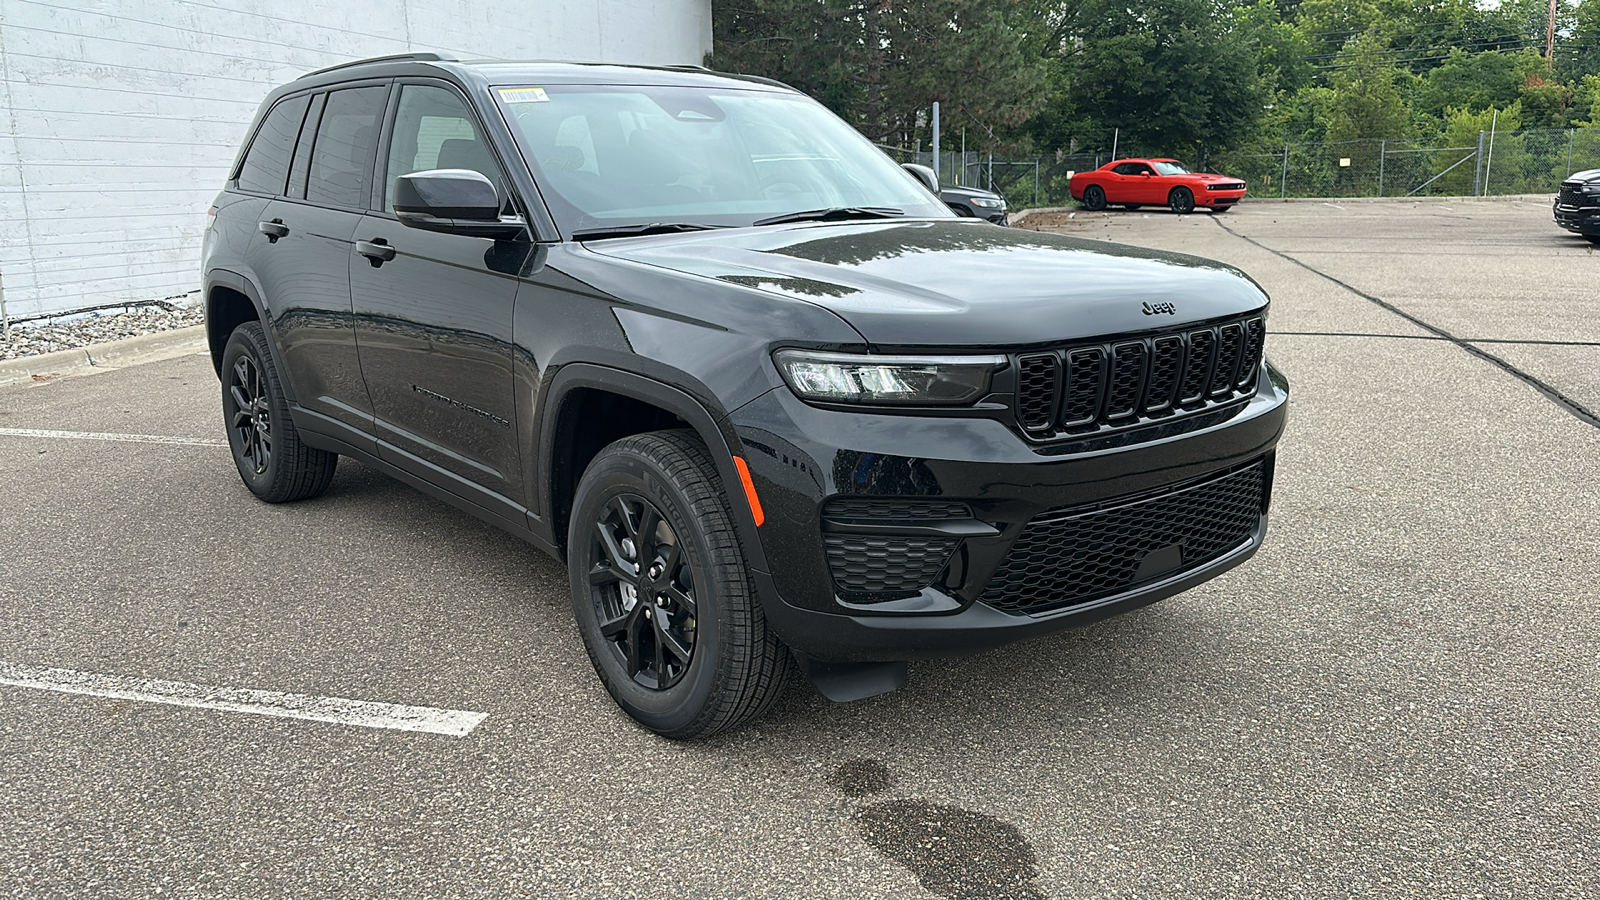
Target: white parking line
x,y
454,722
108,436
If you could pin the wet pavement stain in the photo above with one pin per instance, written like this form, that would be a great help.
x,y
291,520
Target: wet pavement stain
x,y
954,852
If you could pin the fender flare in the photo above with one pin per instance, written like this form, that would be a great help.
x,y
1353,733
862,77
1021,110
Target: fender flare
x,y
719,436
242,284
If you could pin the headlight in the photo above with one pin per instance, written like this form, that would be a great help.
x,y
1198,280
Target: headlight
x,y
896,380
986,203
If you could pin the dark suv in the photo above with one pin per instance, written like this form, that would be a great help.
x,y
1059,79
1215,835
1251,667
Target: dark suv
x,y
1577,205
778,408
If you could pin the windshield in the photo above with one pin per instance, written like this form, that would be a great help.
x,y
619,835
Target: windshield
x,y
1171,168
618,155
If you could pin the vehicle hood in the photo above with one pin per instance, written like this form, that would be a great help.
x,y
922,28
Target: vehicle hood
x,y
1584,177
968,192
957,282
1210,178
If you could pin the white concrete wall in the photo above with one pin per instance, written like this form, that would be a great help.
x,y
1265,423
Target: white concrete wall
x,y
119,118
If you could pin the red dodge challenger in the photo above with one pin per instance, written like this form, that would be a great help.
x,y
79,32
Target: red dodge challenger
x,y
1154,182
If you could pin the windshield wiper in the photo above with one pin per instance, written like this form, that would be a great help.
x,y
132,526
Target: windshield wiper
x,y
616,231
834,214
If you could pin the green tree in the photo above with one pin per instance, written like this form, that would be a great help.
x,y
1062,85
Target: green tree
x,y
880,64
1174,76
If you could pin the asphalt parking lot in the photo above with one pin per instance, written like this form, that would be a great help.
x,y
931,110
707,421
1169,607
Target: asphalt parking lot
x,y
1397,697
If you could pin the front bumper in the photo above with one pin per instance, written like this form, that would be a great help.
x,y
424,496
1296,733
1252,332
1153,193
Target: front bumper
x,y
802,457
1218,198
1584,220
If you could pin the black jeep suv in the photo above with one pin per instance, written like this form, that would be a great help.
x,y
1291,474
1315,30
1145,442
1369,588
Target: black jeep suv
x,y
778,408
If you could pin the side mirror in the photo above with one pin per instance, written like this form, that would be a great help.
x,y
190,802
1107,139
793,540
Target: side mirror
x,y
924,175
454,201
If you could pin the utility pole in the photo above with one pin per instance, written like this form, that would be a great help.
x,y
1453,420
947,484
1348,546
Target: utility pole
x,y
936,142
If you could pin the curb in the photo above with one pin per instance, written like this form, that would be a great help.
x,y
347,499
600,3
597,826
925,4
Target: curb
x,y
144,348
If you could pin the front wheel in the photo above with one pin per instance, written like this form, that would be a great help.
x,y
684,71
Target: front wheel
x,y
1094,198
1181,200
275,464
662,595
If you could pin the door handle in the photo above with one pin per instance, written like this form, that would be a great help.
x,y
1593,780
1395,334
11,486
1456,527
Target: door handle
x,y
273,230
377,250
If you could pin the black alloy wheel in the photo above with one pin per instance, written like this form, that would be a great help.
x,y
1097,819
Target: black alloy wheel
x,y
1181,200
272,460
1094,198
643,590
661,591
251,425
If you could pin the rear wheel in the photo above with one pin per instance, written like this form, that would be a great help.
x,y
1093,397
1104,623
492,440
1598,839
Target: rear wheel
x,y
1094,197
275,465
1181,200
661,593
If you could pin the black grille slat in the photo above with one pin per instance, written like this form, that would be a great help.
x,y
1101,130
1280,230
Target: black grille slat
x,y
1197,373
1127,380
1255,338
868,567
1038,387
1230,341
1166,363
1086,375
1070,557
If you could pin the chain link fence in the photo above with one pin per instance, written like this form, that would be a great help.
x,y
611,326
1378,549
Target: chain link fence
x,y
1532,161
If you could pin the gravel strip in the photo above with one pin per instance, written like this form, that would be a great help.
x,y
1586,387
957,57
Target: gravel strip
x,y
33,338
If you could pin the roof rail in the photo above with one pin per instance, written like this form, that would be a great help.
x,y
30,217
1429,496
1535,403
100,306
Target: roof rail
x,y
393,57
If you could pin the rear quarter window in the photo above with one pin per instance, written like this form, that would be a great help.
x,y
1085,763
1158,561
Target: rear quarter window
x,y
266,163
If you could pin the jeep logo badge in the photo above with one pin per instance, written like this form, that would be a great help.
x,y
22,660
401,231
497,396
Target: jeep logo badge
x,y
1160,309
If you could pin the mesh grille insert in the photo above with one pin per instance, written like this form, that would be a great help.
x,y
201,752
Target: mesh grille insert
x,y
1037,391
903,509
865,565
1127,380
1164,371
1085,376
1065,558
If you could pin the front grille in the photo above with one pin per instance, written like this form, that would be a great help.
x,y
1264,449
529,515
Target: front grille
x,y
1571,195
1074,556
1088,389
868,567
1229,186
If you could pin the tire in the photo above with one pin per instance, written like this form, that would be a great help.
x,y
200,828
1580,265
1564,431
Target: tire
x,y
1181,200
1130,207
726,667
1094,198
275,464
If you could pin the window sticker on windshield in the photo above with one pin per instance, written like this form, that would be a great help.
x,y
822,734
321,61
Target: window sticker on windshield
x,y
524,95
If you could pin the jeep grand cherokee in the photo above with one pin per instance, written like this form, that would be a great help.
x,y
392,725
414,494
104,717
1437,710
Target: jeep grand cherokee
x,y
776,406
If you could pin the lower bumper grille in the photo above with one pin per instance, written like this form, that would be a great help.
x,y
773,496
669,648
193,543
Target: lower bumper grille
x,y
1075,556
868,568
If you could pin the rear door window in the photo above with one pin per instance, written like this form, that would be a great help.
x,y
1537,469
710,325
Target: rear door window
x,y
341,161
266,163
